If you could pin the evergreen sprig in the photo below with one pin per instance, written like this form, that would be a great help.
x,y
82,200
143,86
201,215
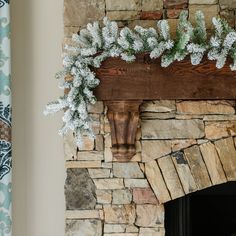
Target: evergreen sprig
x,y
96,43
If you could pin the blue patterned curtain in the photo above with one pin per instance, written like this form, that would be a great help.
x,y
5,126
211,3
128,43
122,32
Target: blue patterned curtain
x,y
5,121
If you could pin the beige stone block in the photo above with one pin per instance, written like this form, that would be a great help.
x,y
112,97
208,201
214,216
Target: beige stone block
x,y
82,214
143,23
152,150
114,228
107,151
227,154
156,181
209,11
128,170
198,167
81,12
103,196
231,4
213,163
70,147
149,215
99,143
136,183
123,5
70,30
123,15
160,231
99,173
87,144
171,177
151,5
206,107
186,178
132,229
122,234
199,2
179,144
109,183
219,117
90,156
119,214
172,129
216,130
83,164
158,106
121,196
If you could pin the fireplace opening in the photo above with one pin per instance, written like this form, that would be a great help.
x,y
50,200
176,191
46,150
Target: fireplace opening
x,y
209,212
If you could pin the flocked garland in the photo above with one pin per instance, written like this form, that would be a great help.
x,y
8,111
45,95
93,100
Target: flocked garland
x,y
95,44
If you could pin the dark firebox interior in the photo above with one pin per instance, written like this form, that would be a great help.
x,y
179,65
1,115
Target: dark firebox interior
x,y
209,212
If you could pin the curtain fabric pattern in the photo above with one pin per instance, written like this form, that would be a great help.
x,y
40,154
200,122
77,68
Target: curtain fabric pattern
x,y
5,121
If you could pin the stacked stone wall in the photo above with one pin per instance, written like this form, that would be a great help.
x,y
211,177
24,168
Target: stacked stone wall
x,y
182,146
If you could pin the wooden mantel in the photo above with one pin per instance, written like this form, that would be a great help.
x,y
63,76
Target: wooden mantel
x,y
125,85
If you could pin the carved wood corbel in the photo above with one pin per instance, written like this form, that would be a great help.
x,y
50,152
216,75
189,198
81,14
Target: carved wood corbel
x,y
123,117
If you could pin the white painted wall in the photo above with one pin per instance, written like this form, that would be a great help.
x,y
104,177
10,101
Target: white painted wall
x,y
38,172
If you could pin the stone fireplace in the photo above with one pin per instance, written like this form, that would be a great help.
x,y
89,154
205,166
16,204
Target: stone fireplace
x,y
183,147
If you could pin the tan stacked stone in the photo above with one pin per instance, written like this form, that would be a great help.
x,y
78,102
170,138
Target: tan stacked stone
x,y
182,146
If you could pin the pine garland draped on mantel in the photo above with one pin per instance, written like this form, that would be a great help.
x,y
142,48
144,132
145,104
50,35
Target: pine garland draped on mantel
x,y
94,44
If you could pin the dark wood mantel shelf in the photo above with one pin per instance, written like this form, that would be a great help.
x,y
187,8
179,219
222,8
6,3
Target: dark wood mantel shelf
x,y
125,85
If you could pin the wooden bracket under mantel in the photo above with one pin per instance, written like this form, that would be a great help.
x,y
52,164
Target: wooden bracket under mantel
x,y
123,86
123,117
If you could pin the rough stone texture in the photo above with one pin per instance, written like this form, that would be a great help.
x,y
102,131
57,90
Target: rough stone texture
x,y
208,2
209,11
99,173
158,106
136,183
119,214
172,129
83,164
83,214
83,227
81,12
90,156
114,228
149,215
227,4
216,130
179,144
103,196
152,232
154,149
121,196
144,196
127,170
88,144
109,183
177,4
79,190
149,5
123,15
124,5
206,107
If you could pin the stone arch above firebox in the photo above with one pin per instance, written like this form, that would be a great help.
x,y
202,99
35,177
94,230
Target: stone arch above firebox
x,y
188,151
